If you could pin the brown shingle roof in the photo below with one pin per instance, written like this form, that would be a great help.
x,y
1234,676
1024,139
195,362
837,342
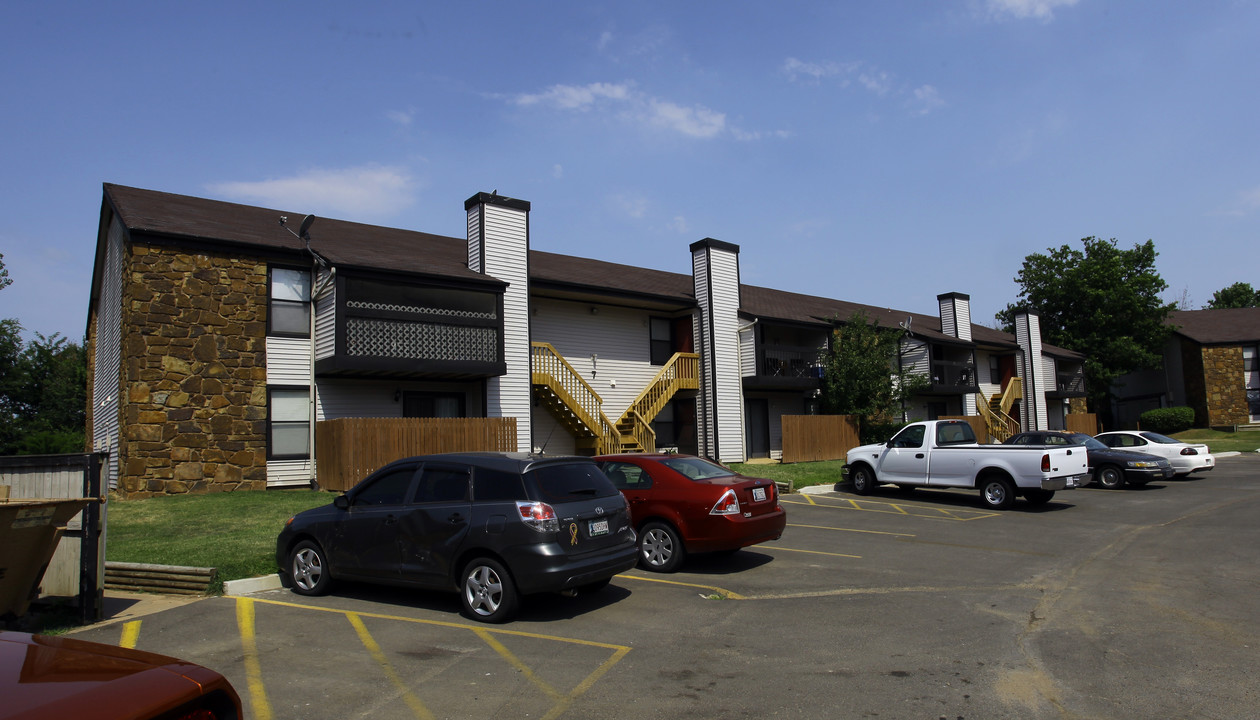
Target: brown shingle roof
x,y
1228,326
350,244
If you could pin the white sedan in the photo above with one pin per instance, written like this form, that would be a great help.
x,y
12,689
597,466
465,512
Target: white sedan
x,y
1184,457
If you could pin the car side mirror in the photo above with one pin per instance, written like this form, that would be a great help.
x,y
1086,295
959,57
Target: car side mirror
x,y
341,502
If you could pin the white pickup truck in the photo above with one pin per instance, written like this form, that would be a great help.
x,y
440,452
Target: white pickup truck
x,y
945,454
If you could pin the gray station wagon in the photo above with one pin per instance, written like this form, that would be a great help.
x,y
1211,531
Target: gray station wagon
x,y
491,526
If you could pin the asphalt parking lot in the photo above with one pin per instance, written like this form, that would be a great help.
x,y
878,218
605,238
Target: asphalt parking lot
x,y
1132,603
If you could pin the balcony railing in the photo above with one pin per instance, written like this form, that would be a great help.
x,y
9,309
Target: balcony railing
x,y
790,362
1070,383
959,376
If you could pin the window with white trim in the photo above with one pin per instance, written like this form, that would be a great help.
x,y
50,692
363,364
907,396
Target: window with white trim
x,y
289,302
288,423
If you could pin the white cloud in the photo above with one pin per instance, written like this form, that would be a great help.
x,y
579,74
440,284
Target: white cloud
x,y
1023,9
796,69
400,117
557,171
365,192
881,83
630,204
679,225
695,121
926,99
1246,203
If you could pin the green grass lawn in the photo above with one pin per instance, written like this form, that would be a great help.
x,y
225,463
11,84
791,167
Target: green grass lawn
x,y
1219,441
234,532
800,474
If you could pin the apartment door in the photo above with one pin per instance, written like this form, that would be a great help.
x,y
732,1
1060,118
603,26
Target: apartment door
x,y
757,428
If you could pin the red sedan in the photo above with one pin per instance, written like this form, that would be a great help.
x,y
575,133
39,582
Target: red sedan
x,y
681,504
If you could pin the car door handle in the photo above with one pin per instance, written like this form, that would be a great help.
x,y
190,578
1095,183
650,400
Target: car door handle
x,y
918,456
390,519
455,519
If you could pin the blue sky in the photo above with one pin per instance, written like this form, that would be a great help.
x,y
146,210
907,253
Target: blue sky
x,y
877,152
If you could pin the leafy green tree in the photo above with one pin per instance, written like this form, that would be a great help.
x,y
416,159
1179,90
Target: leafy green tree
x,y
43,390
862,375
1103,302
1238,295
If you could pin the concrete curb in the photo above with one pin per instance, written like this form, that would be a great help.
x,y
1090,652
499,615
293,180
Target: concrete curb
x,y
249,586
817,489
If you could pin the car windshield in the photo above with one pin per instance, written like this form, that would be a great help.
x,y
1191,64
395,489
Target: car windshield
x,y
1161,439
695,468
572,481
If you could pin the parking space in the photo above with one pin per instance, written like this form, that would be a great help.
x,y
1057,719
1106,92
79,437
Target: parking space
x,y
923,605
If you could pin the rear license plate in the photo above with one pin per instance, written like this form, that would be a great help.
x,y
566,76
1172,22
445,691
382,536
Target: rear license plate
x,y
598,527
759,494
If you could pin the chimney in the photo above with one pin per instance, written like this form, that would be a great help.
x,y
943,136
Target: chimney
x,y
1028,337
955,315
715,274
498,246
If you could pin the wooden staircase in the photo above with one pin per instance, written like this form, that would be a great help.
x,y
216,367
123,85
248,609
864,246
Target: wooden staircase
x,y
996,410
579,409
571,401
682,372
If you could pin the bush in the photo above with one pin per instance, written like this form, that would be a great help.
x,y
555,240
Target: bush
x,y
1167,420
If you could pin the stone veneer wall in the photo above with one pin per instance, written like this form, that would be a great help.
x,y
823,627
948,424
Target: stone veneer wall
x,y
1224,386
194,373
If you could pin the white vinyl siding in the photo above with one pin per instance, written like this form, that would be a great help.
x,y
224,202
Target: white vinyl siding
x,y
716,276
619,336
326,323
914,357
504,241
748,351
1028,337
288,361
106,380
375,398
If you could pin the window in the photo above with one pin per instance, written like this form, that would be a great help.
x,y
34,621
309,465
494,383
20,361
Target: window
x,y
491,485
387,489
442,485
433,405
289,306
911,437
627,476
288,423
661,337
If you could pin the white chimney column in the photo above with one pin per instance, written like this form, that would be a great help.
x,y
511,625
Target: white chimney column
x,y
715,273
498,246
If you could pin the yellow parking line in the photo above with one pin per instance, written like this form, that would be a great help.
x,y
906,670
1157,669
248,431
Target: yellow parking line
x,y
921,511
443,623
817,552
715,590
130,634
253,670
868,532
417,708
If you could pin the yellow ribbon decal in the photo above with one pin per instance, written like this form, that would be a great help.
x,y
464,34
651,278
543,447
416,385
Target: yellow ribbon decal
x,y
573,533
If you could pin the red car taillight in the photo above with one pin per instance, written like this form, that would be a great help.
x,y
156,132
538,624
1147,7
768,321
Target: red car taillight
x,y
1189,451
1045,463
728,505
538,515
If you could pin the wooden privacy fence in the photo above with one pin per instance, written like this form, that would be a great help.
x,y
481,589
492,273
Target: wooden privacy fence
x,y
809,438
1082,423
348,449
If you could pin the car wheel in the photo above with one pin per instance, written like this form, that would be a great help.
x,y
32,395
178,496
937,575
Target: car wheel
x,y
997,493
863,480
1038,497
488,593
1110,477
309,569
660,548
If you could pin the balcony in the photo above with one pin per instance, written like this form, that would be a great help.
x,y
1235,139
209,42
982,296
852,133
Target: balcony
x,y
1068,384
786,367
953,377
375,328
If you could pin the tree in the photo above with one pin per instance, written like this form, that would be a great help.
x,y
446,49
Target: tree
x,y
862,374
43,390
1102,302
1238,295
